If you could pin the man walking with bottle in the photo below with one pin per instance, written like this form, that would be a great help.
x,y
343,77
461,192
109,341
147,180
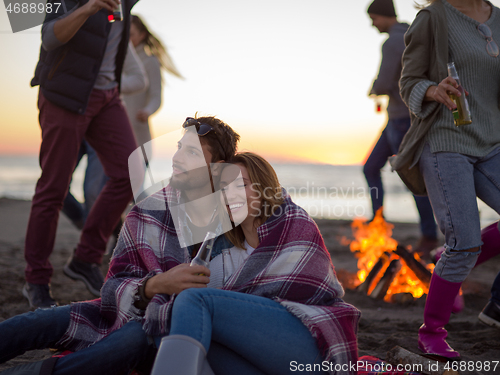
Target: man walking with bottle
x,y
79,72
383,16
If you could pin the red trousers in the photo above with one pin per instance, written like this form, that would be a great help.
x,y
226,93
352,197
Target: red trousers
x,y
106,127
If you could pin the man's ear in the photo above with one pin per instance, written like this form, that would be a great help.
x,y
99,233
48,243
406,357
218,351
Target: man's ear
x,y
216,168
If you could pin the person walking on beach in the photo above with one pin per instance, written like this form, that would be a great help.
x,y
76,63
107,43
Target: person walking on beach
x,y
79,72
383,16
452,164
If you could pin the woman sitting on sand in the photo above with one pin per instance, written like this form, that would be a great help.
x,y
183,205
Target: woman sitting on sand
x,y
281,305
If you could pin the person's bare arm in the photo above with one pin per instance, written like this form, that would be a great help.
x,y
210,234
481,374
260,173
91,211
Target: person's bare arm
x,y
67,27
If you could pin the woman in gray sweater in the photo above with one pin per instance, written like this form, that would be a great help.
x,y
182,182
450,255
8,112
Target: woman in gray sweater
x,y
451,164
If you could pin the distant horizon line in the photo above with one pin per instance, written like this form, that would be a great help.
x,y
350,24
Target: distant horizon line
x,y
271,159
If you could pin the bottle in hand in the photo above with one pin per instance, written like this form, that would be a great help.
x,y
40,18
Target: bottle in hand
x,y
202,258
116,15
461,115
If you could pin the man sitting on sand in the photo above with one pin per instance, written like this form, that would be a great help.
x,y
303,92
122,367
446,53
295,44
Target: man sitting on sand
x,y
108,335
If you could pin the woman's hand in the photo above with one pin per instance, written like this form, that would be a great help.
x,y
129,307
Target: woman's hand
x,y
441,93
142,115
176,279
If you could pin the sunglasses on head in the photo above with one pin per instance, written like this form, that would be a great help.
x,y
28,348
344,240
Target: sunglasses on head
x,y
491,46
202,129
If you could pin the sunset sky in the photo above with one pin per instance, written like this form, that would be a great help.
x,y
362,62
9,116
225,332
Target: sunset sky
x,y
291,76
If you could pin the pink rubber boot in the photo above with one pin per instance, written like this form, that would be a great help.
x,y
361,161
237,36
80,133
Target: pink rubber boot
x,y
491,243
437,311
491,247
458,302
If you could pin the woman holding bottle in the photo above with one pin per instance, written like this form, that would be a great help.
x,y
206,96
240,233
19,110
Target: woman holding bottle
x,y
279,303
154,56
452,164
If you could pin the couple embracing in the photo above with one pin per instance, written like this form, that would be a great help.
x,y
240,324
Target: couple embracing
x,y
272,297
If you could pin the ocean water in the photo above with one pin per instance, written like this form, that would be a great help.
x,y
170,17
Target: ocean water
x,y
324,191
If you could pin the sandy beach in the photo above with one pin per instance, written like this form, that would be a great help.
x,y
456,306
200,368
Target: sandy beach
x,y
382,326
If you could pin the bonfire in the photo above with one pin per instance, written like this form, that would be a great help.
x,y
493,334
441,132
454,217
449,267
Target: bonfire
x,y
386,270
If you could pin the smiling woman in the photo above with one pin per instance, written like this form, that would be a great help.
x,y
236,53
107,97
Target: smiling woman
x,y
252,197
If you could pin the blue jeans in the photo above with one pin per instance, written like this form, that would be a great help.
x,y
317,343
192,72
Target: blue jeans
x,y
453,181
495,290
40,329
388,145
243,333
94,182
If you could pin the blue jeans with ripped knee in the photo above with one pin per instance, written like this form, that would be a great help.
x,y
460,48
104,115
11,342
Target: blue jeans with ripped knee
x,y
243,333
453,182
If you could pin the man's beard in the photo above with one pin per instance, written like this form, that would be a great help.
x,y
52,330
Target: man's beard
x,y
192,181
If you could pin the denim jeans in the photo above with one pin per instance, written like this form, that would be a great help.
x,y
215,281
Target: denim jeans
x,y
495,290
115,354
243,333
453,181
388,145
94,182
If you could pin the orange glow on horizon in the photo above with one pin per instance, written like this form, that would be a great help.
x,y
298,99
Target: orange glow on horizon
x,y
346,150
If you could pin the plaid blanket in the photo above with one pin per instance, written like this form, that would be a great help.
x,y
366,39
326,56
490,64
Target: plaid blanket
x,y
291,265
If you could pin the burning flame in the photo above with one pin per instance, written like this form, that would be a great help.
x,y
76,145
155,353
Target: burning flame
x,y
372,242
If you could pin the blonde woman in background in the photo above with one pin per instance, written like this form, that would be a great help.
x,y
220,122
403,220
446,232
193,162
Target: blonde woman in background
x,y
154,57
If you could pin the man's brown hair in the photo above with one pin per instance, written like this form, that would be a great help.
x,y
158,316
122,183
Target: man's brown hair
x,y
223,141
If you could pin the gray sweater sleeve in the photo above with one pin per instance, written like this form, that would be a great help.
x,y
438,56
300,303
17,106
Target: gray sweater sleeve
x,y
49,40
390,68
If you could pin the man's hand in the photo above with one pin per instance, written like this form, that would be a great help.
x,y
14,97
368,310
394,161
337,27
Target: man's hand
x,y
67,27
94,6
176,279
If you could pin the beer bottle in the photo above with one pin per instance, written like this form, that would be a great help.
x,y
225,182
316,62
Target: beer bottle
x,y
202,258
461,115
117,14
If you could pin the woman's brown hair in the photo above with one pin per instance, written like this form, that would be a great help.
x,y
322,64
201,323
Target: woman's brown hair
x,y
265,182
156,48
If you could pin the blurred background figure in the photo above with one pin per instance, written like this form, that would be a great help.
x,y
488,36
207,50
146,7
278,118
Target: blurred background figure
x,y
154,56
383,16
